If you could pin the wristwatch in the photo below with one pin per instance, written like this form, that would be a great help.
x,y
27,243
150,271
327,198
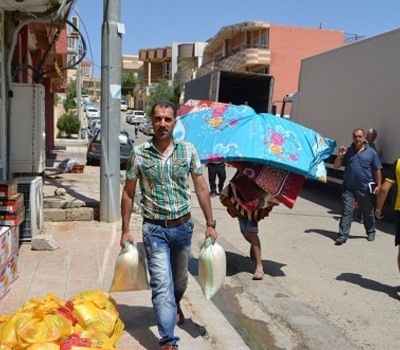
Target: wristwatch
x,y
214,223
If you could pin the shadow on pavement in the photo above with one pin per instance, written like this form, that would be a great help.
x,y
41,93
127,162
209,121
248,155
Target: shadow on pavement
x,y
367,283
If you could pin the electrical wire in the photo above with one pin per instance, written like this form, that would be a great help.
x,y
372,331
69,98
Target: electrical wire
x,y
82,54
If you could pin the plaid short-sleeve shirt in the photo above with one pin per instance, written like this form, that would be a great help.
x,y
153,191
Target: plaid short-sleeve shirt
x,y
163,180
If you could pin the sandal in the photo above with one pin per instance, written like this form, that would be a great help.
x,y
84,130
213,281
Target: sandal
x,y
258,275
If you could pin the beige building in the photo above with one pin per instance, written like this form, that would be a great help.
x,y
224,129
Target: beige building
x,y
178,62
132,64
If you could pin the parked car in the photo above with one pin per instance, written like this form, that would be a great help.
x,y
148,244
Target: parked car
x,y
87,105
92,112
124,105
92,119
141,123
135,116
94,122
93,151
148,128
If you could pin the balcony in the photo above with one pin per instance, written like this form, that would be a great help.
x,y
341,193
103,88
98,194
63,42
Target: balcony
x,y
240,57
28,5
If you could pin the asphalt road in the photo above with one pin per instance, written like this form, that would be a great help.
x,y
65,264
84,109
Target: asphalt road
x,y
315,295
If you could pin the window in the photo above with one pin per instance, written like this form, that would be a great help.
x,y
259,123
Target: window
x,y
166,68
218,57
260,42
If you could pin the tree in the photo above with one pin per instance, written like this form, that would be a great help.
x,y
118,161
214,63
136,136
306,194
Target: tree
x,y
128,83
70,102
164,91
69,124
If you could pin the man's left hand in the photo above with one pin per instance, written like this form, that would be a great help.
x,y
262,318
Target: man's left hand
x,y
210,232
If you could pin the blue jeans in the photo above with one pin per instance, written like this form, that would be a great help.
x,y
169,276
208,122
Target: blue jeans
x,y
247,226
168,253
366,206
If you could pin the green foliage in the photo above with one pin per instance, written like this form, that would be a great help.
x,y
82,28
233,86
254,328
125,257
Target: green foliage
x,y
69,104
128,83
198,72
164,91
56,99
71,93
69,124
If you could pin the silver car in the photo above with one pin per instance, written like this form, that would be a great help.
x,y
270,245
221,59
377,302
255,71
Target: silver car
x,y
147,128
135,116
93,150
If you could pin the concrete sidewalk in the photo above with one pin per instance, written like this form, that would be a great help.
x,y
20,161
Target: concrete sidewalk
x,y
85,260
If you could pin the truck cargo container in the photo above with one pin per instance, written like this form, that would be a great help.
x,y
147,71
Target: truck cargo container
x,y
233,87
353,86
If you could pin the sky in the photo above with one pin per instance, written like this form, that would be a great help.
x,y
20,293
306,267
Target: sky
x,y
157,23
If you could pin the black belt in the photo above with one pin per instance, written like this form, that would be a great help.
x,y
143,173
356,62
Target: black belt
x,y
169,223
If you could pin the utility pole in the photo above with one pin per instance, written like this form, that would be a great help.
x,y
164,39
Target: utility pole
x,y
75,35
111,66
79,97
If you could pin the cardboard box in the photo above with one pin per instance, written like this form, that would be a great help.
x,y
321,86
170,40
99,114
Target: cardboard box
x,y
12,204
9,242
5,281
14,238
8,273
79,168
12,266
8,188
5,243
12,219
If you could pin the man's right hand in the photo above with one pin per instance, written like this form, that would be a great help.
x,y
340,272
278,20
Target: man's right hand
x,y
342,150
126,237
378,214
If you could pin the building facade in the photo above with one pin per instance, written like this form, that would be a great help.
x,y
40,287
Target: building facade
x,y
132,64
178,62
33,54
262,47
258,47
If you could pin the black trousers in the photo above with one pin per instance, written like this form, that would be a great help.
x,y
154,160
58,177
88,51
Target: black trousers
x,y
215,170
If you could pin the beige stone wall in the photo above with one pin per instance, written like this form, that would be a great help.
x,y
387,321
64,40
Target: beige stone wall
x,y
58,112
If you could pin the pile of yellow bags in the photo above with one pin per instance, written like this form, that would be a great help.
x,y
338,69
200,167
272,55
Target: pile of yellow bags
x,y
89,320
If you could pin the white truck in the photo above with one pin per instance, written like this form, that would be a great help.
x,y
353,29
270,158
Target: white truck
x,y
353,86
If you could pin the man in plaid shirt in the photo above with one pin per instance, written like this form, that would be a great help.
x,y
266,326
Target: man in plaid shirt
x,y
162,167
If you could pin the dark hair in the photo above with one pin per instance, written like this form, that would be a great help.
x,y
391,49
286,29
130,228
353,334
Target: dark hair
x,y
359,129
163,104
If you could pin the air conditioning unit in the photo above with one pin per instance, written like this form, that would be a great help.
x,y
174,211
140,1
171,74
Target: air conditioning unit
x,y
32,188
27,129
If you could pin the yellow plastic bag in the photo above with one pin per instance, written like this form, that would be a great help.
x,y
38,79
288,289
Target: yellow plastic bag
x,y
43,328
130,270
25,328
97,310
8,332
44,346
37,321
212,268
84,340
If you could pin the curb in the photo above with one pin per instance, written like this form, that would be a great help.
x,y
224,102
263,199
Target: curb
x,y
219,333
70,214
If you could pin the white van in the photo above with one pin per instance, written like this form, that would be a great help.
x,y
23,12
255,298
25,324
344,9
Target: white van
x,y
124,106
